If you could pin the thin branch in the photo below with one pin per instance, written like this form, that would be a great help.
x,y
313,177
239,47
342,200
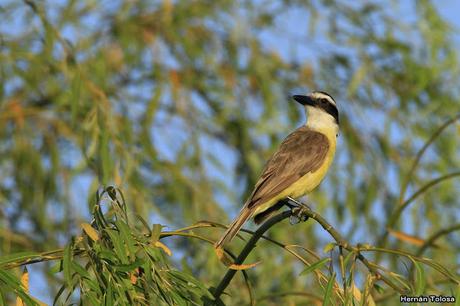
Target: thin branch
x,y
370,265
420,153
395,216
306,212
344,244
427,261
250,245
405,183
430,241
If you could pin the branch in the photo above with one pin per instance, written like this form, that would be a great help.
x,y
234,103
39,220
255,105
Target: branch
x,y
420,153
250,245
405,183
304,211
430,241
403,205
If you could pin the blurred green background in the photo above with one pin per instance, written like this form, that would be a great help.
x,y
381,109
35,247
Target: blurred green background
x,y
180,103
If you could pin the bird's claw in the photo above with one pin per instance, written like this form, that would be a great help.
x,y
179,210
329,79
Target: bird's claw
x,y
293,219
298,215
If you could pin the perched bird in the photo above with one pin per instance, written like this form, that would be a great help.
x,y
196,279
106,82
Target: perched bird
x,y
297,167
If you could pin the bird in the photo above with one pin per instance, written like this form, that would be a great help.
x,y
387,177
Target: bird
x,y
296,168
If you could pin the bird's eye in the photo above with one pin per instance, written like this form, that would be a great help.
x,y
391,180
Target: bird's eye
x,y
323,101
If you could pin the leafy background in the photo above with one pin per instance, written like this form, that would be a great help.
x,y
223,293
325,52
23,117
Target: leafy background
x,y
179,104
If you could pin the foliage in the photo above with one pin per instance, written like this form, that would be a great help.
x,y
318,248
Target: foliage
x,y
116,262
179,103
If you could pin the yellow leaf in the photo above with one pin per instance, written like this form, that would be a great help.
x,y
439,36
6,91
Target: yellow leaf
x,y
90,231
229,262
25,279
25,285
160,245
243,267
406,238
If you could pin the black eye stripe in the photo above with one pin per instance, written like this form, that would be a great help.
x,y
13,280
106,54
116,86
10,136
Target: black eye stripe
x,y
329,108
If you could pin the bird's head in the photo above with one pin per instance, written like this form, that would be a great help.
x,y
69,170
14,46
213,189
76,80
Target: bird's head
x,y
320,108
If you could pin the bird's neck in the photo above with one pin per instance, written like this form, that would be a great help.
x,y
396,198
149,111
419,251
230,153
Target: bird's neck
x,y
320,121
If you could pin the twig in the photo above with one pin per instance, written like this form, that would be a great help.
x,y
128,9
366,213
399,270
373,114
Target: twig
x,y
430,241
344,244
420,154
395,216
405,183
304,211
247,249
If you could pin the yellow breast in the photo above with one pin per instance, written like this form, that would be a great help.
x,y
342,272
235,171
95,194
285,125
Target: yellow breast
x,y
309,181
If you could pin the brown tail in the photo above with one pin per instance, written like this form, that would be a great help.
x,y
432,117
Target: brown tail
x,y
233,229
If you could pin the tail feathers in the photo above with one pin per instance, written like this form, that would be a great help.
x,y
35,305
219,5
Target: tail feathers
x,y
233,229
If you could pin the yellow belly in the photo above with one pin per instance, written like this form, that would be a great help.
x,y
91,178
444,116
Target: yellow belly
x,y
306,183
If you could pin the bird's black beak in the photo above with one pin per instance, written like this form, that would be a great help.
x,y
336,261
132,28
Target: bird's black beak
x,y
304,100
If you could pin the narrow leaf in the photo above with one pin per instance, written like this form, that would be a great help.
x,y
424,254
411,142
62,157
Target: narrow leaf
x,y
329,247
414,240
127,238
66,263
328,293
317,265
90,231
160,245
420,280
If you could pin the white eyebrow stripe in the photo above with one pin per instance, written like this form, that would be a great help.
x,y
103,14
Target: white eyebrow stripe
x,y
320,95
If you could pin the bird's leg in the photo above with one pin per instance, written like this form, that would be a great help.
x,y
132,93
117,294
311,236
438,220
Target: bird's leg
x,y
298,208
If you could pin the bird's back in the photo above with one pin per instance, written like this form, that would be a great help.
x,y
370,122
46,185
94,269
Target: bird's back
x,y
298,166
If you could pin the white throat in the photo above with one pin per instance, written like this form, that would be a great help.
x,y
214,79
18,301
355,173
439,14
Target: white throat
x,y
318,120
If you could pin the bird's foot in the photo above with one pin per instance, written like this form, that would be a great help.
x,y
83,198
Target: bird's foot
x,y
298,209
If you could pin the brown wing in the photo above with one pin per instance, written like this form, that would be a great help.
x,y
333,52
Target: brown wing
x,y
301,152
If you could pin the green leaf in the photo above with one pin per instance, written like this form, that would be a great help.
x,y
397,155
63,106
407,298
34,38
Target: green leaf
x,y
400,279
347,258
118,245
79,269
329,247
108,255
328,293
93,286
108,296
20,256
127,238
57,267
66,265
420,279
190,280
317,265
130,267
144,223
92,298
379,288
